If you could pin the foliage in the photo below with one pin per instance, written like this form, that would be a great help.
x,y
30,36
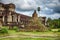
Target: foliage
x,y
55,23
16,28
3,31
59,30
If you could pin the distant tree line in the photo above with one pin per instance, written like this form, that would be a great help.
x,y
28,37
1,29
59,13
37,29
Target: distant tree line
x,y
55,23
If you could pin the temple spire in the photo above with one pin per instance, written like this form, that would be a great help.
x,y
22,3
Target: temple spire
x,y
34,11
35,14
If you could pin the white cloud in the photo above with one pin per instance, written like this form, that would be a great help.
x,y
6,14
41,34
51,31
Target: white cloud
x,y
52,16
22,4
28,5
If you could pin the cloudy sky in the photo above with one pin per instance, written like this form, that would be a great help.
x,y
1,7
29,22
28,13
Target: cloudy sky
x,y
48,8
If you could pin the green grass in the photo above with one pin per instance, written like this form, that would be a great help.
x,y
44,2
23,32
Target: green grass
x,y
27,38
13,32
37,33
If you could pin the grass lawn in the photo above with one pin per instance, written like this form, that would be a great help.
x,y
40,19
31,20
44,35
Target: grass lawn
x,y
19,38
49,33
30,35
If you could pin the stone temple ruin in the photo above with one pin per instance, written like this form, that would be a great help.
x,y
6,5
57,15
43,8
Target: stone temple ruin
x,y
8,17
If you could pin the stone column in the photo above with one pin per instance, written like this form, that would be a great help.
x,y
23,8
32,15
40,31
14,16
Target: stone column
x,y
18,18
3,18
9,18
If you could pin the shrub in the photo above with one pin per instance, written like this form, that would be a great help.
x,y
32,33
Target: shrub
x,y
59,30
16,29
3,30
38,31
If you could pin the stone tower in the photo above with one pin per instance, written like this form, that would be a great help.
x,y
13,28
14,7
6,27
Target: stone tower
x,y
11,7
35,16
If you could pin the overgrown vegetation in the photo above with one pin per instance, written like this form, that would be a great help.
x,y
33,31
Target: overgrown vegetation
x,y
37,26
3,30
55,23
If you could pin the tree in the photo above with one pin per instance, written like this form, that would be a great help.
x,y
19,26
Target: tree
x,y
55,23
38,8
